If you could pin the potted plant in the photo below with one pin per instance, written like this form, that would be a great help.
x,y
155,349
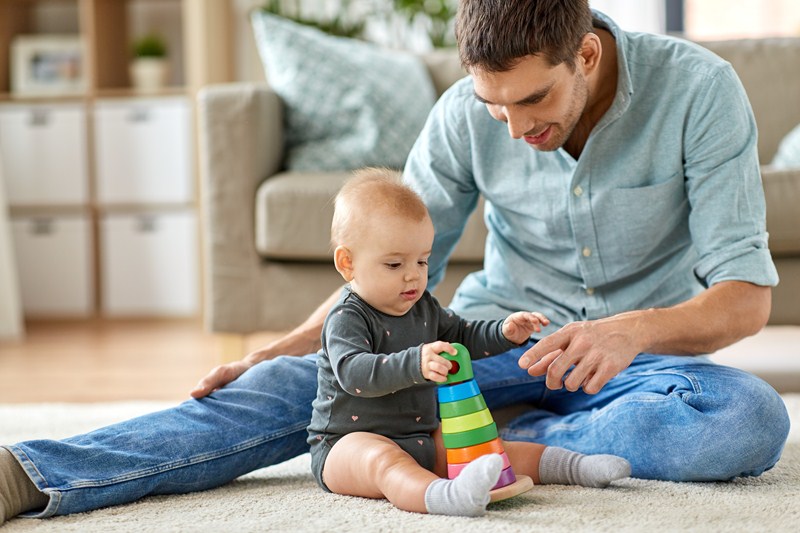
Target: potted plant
x,y
149,68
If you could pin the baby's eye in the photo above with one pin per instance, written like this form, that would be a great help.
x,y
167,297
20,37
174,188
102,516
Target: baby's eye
x,y
424,262
392,266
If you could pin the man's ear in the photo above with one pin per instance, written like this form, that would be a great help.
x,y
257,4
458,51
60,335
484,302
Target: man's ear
x,y
343,261
590,52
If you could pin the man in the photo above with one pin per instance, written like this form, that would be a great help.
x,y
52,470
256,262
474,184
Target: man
x,y
624,201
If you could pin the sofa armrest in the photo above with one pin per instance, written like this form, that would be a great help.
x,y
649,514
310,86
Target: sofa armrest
x,y
241,143
782,193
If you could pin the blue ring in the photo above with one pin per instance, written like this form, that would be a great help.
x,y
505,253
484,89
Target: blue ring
x,y
459,391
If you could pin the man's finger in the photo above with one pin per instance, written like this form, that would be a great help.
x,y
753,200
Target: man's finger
x,y
547,345
540,368
556,371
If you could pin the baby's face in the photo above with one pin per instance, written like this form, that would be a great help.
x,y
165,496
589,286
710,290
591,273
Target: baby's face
x,y
390,262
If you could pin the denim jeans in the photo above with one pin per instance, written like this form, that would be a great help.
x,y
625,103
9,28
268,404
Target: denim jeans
x,y
673,418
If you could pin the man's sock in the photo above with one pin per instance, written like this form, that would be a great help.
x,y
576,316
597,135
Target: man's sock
x,y
17,492
559,466
468,494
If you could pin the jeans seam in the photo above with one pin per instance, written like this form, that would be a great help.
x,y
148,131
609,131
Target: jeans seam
x,y
252,443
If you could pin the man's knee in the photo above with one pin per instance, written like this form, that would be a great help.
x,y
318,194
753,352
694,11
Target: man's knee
x,y
743,434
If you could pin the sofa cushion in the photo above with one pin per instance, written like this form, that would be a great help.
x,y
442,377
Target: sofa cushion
x,y
348,103
294,211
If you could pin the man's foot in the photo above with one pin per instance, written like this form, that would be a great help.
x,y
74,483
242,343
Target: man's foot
x,y
560,466
17,492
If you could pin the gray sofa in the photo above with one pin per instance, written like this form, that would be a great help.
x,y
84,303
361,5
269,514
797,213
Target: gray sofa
x,y
265,231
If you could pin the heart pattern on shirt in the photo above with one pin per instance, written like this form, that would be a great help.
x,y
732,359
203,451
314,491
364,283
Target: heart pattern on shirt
x,y
354,417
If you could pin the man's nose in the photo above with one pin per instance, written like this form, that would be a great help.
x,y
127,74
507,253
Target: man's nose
x,y
518,123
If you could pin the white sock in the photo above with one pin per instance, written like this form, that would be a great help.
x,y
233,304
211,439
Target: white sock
x,y
468,494
560,466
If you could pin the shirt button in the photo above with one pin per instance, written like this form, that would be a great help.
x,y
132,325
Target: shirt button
x,y
577,191
590,291
587,252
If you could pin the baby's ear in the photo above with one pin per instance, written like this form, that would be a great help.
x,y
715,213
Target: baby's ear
x,y
343,261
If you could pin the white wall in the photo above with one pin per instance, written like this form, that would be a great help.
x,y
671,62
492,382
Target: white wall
x,y
641,15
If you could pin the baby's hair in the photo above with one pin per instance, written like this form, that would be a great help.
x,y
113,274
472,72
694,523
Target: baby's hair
x,y
373,191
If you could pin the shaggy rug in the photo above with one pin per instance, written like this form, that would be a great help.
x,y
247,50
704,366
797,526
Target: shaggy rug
x,y
285,497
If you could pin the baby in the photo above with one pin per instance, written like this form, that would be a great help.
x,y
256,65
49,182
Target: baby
x,y
374,430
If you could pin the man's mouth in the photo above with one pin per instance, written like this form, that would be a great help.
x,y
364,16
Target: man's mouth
x,y
539,138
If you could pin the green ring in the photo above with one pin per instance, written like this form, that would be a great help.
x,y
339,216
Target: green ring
x,y
470,438
462,407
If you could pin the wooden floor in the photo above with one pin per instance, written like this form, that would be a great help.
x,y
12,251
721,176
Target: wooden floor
x,y
95,361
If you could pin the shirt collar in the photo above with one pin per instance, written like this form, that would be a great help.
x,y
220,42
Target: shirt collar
x,y
622,99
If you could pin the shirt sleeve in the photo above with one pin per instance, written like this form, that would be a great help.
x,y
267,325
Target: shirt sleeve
x,y
359,371
483,338
723,183
439,168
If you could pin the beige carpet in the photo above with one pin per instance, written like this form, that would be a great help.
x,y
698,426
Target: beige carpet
x,y
285,498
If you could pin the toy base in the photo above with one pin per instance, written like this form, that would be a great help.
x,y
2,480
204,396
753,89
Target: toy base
x,y
522,484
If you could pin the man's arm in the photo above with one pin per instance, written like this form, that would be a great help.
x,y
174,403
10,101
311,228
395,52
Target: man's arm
x,y
302,340
600,349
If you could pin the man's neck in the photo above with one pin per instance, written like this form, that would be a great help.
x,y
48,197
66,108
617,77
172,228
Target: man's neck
x,y
602,89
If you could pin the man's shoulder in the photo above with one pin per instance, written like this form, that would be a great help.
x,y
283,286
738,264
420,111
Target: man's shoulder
x,y
673,55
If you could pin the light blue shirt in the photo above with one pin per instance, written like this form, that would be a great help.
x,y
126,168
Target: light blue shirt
x,y
665,199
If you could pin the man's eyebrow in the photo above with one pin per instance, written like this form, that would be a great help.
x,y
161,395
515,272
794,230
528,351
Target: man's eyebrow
x,y
533,98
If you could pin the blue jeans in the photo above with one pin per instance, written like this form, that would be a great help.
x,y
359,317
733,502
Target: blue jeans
x,y
674,418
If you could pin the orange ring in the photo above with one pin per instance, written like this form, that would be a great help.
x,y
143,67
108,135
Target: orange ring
x,y
470,453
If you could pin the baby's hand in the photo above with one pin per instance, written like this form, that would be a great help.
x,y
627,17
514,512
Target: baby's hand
x,y
517,327
434,366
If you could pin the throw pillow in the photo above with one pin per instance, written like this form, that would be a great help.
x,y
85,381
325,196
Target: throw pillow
x,y
788,155
348,103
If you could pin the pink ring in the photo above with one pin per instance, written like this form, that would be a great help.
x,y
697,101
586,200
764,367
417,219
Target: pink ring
x,y
455,469
507,477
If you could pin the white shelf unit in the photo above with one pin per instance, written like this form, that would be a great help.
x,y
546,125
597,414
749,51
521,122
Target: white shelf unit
x,y
45,169
149,258
54,258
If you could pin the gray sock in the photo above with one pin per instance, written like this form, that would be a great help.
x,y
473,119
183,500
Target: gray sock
x,y
17,492
564,467
468,494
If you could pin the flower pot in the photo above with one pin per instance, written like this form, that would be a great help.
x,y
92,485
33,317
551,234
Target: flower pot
x,y
149,74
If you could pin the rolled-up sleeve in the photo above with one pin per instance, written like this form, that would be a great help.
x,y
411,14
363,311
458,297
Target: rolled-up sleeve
x,y
723,182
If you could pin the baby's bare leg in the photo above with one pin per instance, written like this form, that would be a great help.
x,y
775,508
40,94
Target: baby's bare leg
x,y
372,466
364,464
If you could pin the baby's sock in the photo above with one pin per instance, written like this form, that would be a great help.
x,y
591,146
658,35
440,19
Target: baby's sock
x,y
17,492
559,466
468,494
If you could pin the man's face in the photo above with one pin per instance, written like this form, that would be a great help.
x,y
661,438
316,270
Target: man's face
x,y
540,103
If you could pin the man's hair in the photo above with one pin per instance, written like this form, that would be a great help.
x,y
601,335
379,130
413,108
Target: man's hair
x,y
372,191
493,35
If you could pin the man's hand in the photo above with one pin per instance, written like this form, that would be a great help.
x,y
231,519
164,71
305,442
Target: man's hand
x,y
434,366
595,351
302,340
298,342
219,377
518,327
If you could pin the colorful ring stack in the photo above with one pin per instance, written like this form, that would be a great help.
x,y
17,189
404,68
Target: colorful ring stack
x,y
468,429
